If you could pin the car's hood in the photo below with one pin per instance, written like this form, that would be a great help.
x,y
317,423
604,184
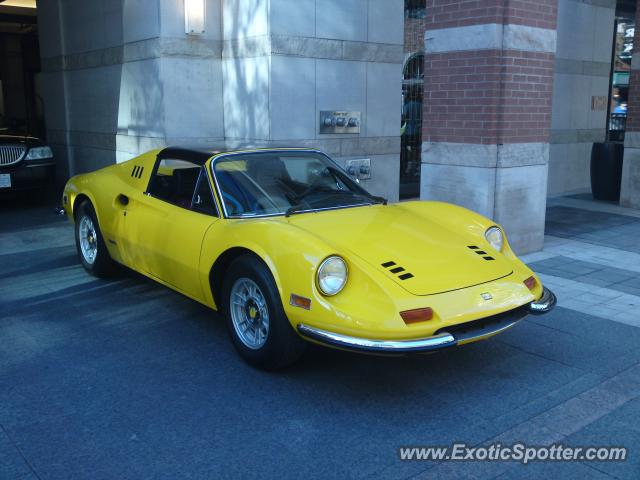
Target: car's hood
x,y
18,138
417,252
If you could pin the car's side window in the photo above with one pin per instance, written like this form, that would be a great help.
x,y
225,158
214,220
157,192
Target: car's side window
x,y
203,198
180,183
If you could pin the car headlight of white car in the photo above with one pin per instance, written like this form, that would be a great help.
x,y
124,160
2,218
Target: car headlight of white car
x,y
39,153
332,275
495,237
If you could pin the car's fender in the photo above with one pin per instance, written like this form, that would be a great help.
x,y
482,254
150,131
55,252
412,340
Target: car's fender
x,y
293,257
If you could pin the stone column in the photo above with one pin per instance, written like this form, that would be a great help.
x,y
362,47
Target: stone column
x,y
285,61
121,78
487,110
630,188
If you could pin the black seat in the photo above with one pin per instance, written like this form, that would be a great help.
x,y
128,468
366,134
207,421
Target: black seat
x,y
184,184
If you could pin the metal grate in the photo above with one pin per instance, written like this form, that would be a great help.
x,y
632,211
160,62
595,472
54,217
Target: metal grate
x,y
10,154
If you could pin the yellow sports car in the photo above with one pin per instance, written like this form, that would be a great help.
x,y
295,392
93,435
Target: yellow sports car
x,y
290,249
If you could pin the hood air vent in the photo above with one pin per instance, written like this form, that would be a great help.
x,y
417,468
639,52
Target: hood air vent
x,y
397,269
482,253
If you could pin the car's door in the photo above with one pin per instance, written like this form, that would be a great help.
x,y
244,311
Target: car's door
x,y
164,228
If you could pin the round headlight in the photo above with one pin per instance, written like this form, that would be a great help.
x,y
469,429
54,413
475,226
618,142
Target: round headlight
x,y
332,275
495,238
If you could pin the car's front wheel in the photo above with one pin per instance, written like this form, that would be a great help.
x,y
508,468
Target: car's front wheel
x,y
256,320
90,245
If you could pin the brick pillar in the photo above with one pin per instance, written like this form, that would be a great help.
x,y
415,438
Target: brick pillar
x,y
630,188
487,110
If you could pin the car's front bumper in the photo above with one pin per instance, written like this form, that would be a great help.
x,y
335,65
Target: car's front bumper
x,y
444,338
30,175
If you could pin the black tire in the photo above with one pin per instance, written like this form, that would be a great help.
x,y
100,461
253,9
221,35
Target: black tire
x,y
103,265
282,346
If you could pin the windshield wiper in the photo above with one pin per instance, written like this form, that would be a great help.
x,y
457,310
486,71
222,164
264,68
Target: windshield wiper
x,y
377,199
299,207
294,209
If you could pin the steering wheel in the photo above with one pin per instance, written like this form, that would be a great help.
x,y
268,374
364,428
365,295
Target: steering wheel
x,y
314,186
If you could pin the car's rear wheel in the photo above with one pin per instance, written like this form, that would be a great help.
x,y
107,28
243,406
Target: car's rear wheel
x,y
256,320
90,245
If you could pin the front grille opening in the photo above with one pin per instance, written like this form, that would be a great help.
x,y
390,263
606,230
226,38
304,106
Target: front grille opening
x,y
388,264
10,154
474,325
405,276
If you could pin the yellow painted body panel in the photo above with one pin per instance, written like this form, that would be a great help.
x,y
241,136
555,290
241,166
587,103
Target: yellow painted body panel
x,y
178,247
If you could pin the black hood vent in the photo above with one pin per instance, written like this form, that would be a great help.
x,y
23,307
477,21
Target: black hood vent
x,y
397,270
482,253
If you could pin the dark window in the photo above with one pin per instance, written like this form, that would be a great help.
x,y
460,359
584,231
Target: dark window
x,y
175,182
203,198
414,68
415,8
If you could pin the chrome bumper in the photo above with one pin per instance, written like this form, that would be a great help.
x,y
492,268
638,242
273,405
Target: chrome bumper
x,y
448,337
544,304
436,342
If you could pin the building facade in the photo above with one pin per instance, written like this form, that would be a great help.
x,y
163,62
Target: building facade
x,y
124,76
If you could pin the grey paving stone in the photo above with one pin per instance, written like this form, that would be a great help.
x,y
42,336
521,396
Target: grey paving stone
x,y
553,470
591,273
598,228
579,268
612,275
626,288
619,428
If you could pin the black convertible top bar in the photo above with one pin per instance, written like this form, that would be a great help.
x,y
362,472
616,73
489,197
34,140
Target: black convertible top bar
x,y
199,154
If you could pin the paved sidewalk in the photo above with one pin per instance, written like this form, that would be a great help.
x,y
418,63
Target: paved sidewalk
x,y
591,259
125,379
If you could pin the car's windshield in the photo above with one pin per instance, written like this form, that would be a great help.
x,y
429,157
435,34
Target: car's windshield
x,y
275,183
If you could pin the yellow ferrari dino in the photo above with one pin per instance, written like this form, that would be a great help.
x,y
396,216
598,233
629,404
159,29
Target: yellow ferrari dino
x,y
290,249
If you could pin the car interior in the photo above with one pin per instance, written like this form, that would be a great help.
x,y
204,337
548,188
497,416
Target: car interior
x,y
177,186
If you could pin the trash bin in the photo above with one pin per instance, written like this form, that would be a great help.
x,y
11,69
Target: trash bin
x,y
606,170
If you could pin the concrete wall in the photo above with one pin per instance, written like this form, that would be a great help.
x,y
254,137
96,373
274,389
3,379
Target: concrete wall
x,y
122,77
583,64
284,61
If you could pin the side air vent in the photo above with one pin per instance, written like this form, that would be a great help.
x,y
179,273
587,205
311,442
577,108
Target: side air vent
x,y
137,171
396,269
482,253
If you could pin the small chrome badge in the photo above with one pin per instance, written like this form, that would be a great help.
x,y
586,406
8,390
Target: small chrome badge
x,y
486,296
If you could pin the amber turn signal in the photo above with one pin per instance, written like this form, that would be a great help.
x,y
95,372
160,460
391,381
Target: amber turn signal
x,y
418,315
531,283
298,301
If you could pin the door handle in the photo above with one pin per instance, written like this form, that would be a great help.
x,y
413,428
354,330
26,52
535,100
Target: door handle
x,y
123,199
